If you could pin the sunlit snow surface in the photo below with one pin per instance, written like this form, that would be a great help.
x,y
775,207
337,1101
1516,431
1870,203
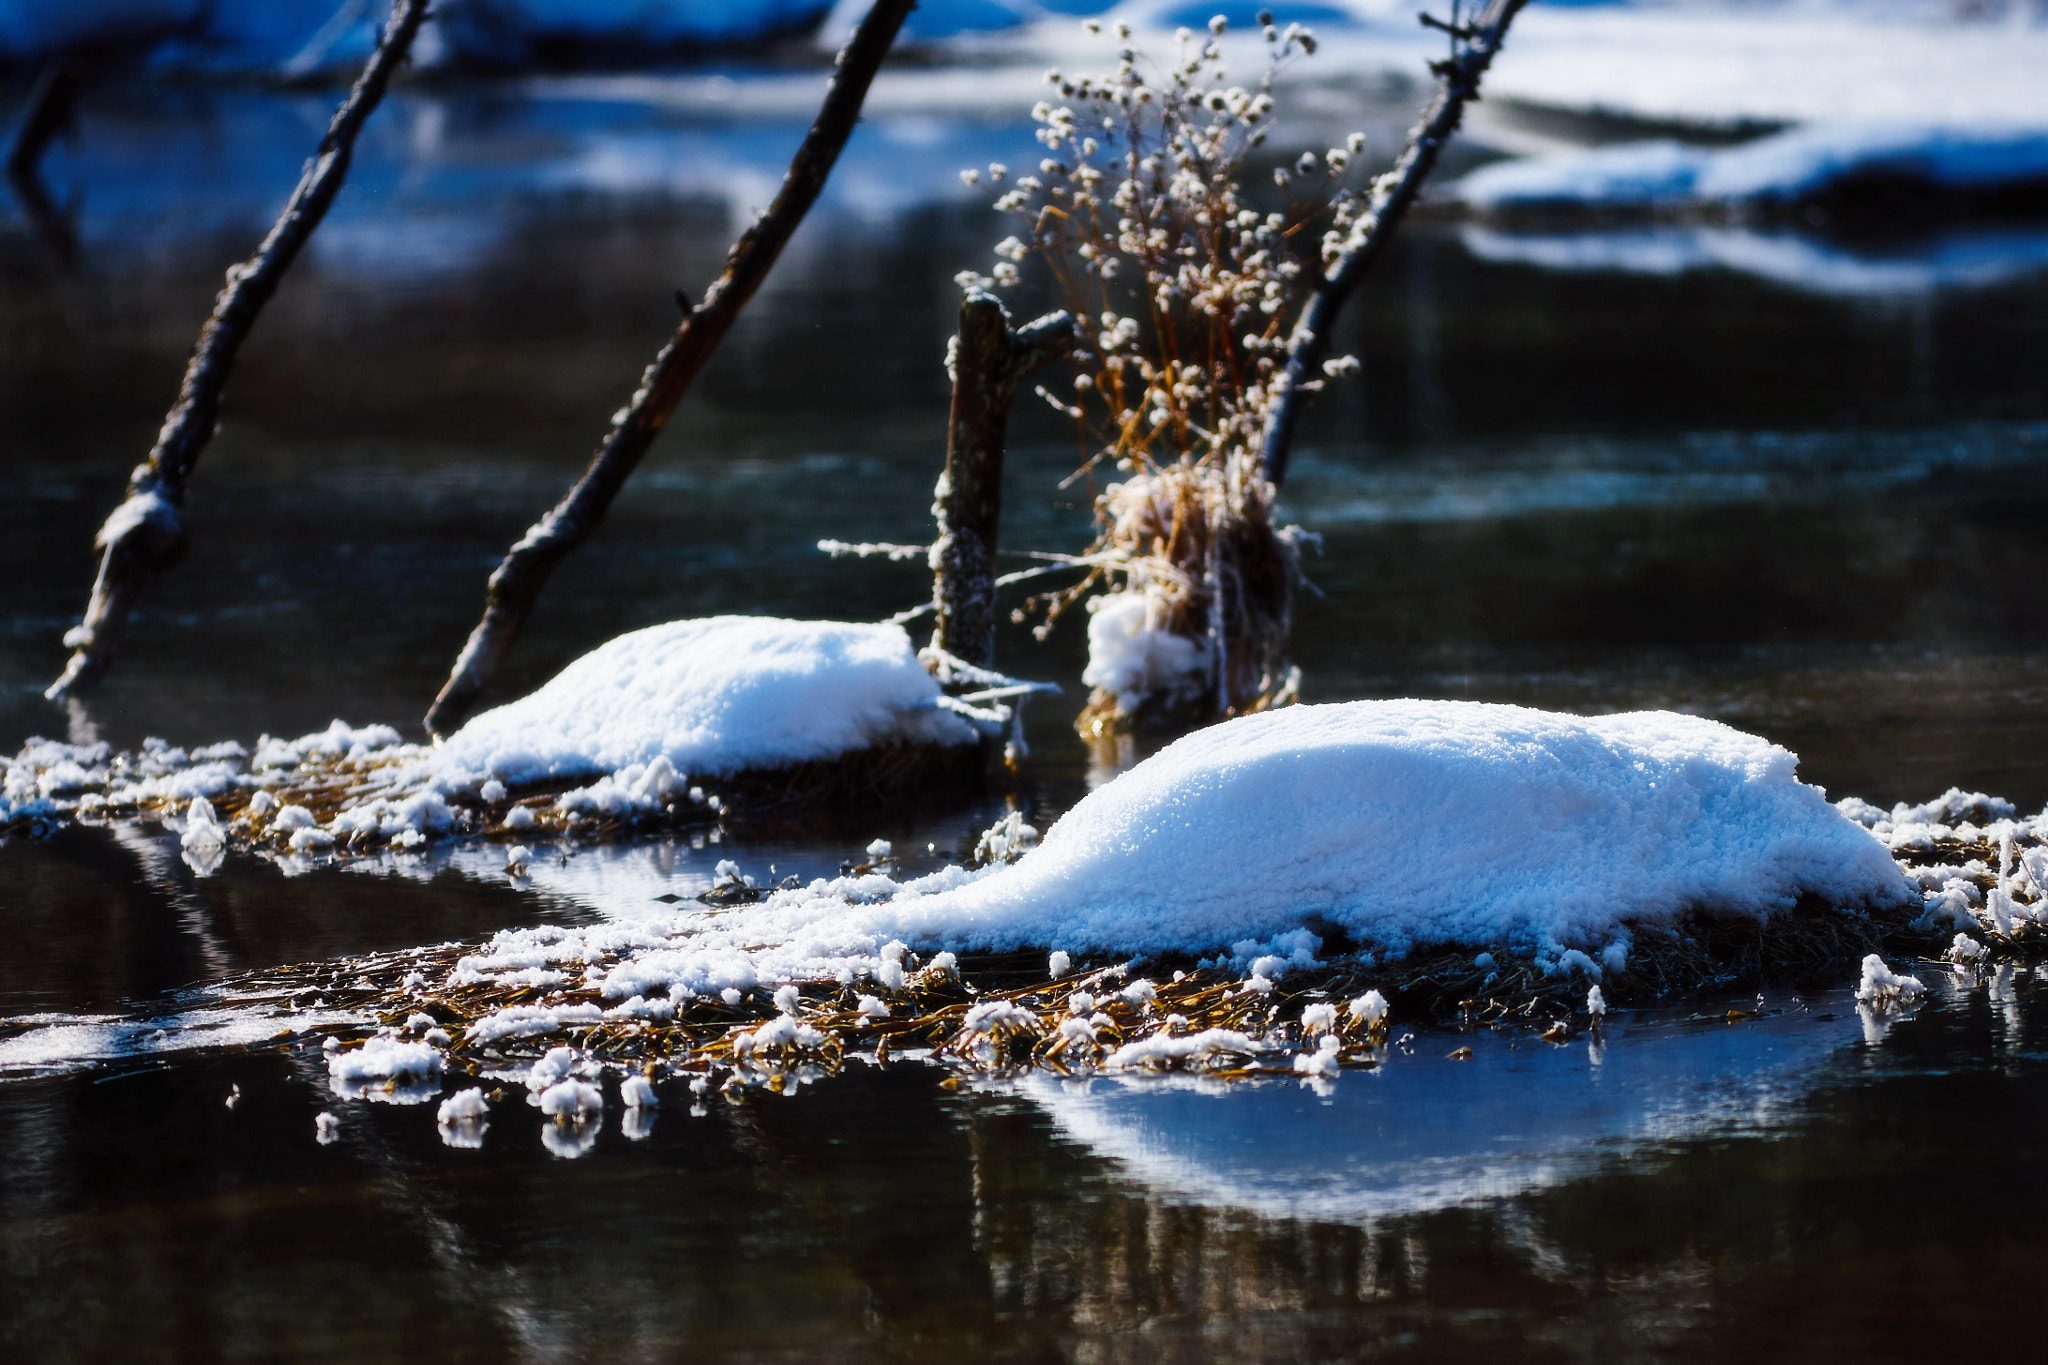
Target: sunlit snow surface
x,y
1423,1131
713,697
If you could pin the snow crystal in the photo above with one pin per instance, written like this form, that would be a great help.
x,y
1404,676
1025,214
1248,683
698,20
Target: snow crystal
x,y
464,1106
338,740
1596,1003
993,1015
1161,1050
1059,964
425,812
637,1092
872,1007
1881,986
1321,1062
1005,840
292,819
1370,1009
382,1059
571,1099
528,1021
1319,1018
639,1007
326,1128
386,1068
1132,656
781,1032
307,840
559,1064
202,826
634,789
712,696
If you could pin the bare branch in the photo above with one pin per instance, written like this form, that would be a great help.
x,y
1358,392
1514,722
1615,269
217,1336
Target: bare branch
x,y
146,534
1474,46
516,584
51,108
988,361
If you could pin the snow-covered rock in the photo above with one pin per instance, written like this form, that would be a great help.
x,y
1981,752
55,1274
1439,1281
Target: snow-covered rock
x,y
713,697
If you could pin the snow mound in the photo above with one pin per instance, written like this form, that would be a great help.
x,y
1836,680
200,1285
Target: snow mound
x,y
1790,165
1417,822
713,697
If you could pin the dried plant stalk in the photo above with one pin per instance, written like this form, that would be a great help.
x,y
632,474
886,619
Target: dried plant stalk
x,y
1181,288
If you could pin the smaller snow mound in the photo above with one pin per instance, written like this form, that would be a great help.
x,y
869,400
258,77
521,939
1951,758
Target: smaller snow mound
x,y
712,697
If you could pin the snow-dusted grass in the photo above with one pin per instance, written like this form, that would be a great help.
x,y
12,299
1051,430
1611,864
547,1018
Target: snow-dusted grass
x,y
1279,880
649,728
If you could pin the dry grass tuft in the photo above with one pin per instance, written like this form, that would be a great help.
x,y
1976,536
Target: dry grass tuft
x,y
991,1012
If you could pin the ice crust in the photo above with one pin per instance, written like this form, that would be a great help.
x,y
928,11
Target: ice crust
x,y
712,697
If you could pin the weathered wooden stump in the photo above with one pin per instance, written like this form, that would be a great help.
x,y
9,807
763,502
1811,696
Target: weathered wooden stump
x,y
988,360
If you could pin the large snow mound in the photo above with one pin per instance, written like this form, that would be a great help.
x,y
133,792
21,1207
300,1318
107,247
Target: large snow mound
x,y
1406,823
713,697
1790,165
1416,822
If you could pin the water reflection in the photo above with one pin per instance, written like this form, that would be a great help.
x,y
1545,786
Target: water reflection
x,y
1942,260
1425,1131
1716,1191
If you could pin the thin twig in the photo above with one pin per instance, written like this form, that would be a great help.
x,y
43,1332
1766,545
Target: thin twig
x,y
516,584
1473,47
146,534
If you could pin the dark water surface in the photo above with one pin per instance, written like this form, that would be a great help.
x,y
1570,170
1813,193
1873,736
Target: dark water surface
x,y
1817,512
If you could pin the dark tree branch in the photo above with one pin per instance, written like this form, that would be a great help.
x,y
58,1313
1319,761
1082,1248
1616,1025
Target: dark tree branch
x,y
146,533
516,585
51,106
1474,47
988,362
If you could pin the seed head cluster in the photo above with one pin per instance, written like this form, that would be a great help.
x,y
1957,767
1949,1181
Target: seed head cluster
x,y
1141,212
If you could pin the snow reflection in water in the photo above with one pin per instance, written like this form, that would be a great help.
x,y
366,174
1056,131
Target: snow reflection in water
x,y
1425,1132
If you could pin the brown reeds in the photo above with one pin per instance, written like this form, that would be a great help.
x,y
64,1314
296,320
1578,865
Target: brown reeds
x,y
983,1012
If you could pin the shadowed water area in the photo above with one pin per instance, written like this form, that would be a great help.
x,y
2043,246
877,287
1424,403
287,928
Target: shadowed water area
x,y
1811,511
